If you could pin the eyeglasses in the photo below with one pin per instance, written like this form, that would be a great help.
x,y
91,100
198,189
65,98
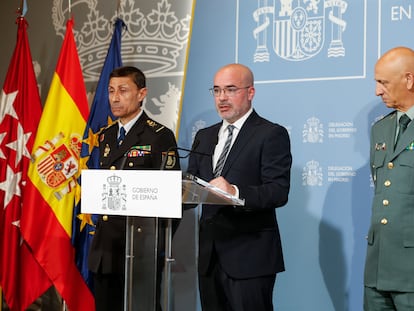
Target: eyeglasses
x,y
229,91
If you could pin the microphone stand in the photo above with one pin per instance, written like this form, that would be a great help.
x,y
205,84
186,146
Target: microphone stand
x,y
129,263
129,254
168,259
167,266
129,248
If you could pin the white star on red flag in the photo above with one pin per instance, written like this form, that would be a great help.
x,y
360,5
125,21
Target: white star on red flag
x,y
19,145
6,105
2,135
11,185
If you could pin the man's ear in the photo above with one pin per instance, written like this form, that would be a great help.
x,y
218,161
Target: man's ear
x,y
409,76
142,94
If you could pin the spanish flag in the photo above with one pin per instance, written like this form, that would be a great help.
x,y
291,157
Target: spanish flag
x,y
51,189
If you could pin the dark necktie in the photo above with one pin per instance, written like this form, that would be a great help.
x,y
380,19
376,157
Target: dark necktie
x,y
223,155
121,137
403,123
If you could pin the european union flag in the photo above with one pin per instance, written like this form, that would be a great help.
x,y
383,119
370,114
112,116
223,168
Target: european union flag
x,y
100,117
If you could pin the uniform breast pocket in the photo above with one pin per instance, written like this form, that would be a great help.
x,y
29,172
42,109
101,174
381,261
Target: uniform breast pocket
x,y
138,162
406,171
378,166
409,237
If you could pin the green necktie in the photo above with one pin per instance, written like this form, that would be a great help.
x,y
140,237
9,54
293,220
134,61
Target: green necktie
x,y
403,123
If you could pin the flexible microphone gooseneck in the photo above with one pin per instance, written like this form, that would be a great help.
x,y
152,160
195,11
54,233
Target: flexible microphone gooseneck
x,y
190,151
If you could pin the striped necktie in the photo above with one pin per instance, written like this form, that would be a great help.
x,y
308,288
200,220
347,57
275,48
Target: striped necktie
x,y
223,155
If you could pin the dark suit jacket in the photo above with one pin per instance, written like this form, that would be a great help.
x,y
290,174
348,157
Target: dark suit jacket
x,y
246,239
390,252
107,252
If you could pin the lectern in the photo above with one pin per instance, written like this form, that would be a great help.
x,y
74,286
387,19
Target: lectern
x,y
150,200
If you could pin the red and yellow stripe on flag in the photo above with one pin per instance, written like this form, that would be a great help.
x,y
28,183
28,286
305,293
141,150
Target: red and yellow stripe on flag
x,y
52,186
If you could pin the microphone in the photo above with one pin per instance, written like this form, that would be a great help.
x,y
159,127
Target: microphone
x,y
193,150
190,151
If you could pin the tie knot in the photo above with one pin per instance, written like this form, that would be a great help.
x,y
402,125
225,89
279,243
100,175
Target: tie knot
x,y
230,128
404,120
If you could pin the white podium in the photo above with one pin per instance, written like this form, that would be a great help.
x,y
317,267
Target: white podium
x,y
146,198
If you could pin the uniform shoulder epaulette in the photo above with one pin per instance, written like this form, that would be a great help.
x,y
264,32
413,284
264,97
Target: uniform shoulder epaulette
x,y
386,116
155,126
107,127
102,131
390,114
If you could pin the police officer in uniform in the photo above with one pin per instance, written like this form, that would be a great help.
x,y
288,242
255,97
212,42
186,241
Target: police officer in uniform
x,y
133,142
389,266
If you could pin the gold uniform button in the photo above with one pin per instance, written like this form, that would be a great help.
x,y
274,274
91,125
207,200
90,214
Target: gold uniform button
x,y
390,165
384,221
385,202
113,167
139,229
130,164
105,217
387,183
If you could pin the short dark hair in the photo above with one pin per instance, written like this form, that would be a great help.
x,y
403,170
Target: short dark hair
x,y
129,71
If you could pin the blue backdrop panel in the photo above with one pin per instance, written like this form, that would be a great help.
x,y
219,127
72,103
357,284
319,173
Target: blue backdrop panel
x,y
313,63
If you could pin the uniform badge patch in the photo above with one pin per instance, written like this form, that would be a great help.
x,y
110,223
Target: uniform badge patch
x,y
380,146
171,159
107,150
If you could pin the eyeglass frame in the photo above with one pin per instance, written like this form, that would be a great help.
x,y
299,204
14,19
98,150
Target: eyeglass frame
x,y
232,89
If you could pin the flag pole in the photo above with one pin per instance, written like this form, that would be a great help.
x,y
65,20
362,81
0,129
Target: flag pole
x,y
64,306
22,9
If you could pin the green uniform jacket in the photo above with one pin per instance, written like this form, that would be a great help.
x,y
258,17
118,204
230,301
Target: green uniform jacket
x,y
389,263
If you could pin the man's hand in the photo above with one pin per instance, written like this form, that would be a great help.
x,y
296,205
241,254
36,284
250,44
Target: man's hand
x,y
223,184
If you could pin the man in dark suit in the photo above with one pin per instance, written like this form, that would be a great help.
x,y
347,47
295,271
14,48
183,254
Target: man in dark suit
x,y
240,250
142,146
389,266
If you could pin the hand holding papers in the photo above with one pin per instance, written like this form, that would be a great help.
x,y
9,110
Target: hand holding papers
x,y
197,190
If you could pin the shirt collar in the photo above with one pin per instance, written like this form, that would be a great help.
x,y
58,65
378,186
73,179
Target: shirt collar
x,y
239,123
129,125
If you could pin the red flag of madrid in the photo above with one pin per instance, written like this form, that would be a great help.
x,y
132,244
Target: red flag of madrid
x,y
52,186
21,277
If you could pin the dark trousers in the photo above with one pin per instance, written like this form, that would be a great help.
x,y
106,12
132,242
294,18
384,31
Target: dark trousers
x,y
109,291
220,292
